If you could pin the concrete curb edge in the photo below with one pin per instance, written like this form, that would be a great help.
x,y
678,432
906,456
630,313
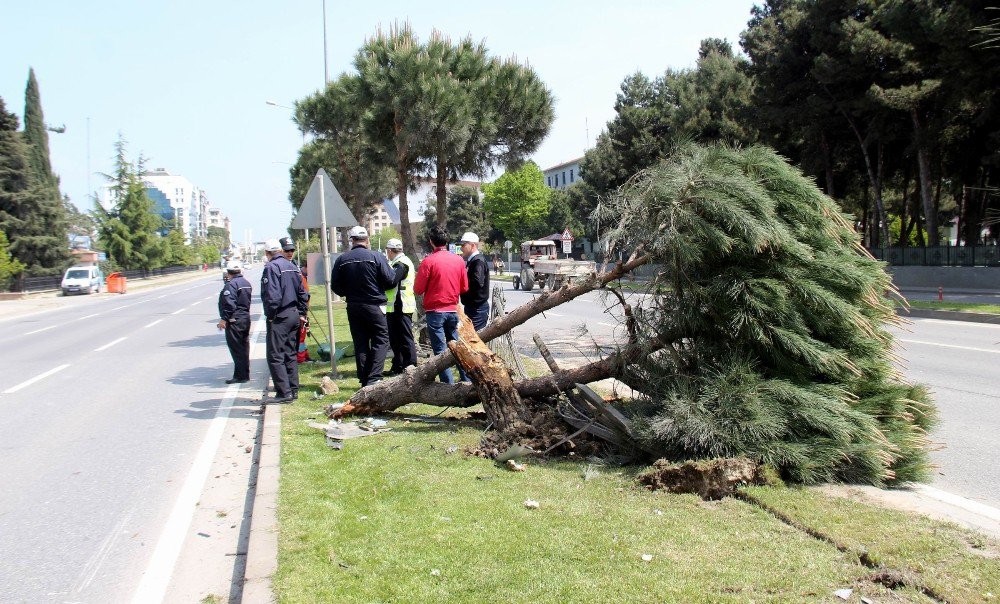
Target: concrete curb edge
x,y
262,546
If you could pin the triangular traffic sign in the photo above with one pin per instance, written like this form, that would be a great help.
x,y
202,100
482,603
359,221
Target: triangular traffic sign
x,y
337,212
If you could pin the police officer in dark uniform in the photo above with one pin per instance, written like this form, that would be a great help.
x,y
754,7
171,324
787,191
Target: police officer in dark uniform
x,y
362,277
234,313
286,303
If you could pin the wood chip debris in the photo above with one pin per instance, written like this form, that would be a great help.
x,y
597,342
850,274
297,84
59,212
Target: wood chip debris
x,y
531,504
513,466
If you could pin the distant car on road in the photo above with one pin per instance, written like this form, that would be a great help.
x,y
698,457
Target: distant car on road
x,y
81,280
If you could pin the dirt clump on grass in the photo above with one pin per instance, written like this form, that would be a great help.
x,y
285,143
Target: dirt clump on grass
x,y
709,479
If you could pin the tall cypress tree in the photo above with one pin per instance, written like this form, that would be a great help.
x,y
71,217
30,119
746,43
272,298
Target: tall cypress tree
x,y
52,251
20,197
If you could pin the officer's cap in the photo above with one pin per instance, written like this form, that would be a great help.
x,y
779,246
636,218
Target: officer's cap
x,y
394,244
287,244
272,245
234,266
358,232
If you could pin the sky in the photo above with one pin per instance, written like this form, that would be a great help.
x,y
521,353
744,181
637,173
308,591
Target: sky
x,y
186,81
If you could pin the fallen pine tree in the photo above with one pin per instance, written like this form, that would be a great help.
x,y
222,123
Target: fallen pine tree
x,y
763,334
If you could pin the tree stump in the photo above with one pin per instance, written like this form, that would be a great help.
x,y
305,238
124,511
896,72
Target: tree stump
x,y
490,377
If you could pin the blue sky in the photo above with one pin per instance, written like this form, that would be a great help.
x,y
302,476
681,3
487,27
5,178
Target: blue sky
x,y
186,81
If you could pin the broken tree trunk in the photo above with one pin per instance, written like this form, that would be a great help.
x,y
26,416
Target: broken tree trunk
x,y
406,389
490,377
417,385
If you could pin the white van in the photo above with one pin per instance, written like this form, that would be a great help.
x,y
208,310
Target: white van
x,y
81,280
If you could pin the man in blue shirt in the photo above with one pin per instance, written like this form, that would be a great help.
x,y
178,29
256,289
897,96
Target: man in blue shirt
x,y
286,303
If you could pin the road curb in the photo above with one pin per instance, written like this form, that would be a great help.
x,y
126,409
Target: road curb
x,y
948,315
262,546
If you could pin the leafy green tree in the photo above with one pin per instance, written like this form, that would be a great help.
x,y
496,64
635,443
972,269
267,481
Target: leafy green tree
x,y
9,267
219,237
53,253
174,249
341,147
774,320
487,112
712,102
394,69
517,203
382,236
79,223
465,212
128,231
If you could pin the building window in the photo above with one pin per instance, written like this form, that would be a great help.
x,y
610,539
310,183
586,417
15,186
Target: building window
x,y
571,175
548,180
564,178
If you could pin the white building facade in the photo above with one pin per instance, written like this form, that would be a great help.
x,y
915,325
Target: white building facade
x,y
563,175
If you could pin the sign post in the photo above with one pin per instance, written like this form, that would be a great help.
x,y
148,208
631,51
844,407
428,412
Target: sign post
x,y
323,207
567,242
507,245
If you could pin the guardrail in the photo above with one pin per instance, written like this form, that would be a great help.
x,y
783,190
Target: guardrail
x,y
940,255
41,284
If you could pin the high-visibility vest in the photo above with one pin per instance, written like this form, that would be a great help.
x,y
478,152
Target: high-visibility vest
x,y
406,285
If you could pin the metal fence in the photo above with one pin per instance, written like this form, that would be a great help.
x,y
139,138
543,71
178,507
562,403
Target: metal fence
x,y
941,255
40,284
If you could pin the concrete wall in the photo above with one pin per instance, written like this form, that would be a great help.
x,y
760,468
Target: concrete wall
x,y
976,278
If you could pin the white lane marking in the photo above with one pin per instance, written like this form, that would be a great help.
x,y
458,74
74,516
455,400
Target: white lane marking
x,y
154,581
37,378
110,344
972,348
178,311
153,323
102,553
158,297
960,502
608,324
87,317
212,297
41,330
960,323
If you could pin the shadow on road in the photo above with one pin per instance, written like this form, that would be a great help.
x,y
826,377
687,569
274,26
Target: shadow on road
x,y
203,376
243,406
202,341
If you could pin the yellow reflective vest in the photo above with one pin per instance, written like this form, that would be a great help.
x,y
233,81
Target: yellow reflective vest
x,y
405,286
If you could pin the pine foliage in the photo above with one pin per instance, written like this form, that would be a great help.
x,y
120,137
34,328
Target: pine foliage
x,y
51,249
128,231
23,203
777,318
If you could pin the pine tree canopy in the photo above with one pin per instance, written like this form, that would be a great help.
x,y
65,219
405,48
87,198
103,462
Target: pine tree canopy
x,y
776,318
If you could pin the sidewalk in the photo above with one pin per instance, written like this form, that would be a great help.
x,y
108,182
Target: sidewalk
x,y
33,304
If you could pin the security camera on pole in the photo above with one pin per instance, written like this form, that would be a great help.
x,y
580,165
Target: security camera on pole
x,y
322,208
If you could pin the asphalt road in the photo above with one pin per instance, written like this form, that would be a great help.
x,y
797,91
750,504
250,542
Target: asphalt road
x,y
959,361
105,404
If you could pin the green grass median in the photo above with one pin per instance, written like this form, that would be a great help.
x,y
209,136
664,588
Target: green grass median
x,y
992,309
408,516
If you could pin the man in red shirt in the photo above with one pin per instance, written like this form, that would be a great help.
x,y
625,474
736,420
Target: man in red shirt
x,y
441,278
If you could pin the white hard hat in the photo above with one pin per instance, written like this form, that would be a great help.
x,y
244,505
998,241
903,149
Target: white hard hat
x,y
358,232
394,244
470,237
234,266
272,245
